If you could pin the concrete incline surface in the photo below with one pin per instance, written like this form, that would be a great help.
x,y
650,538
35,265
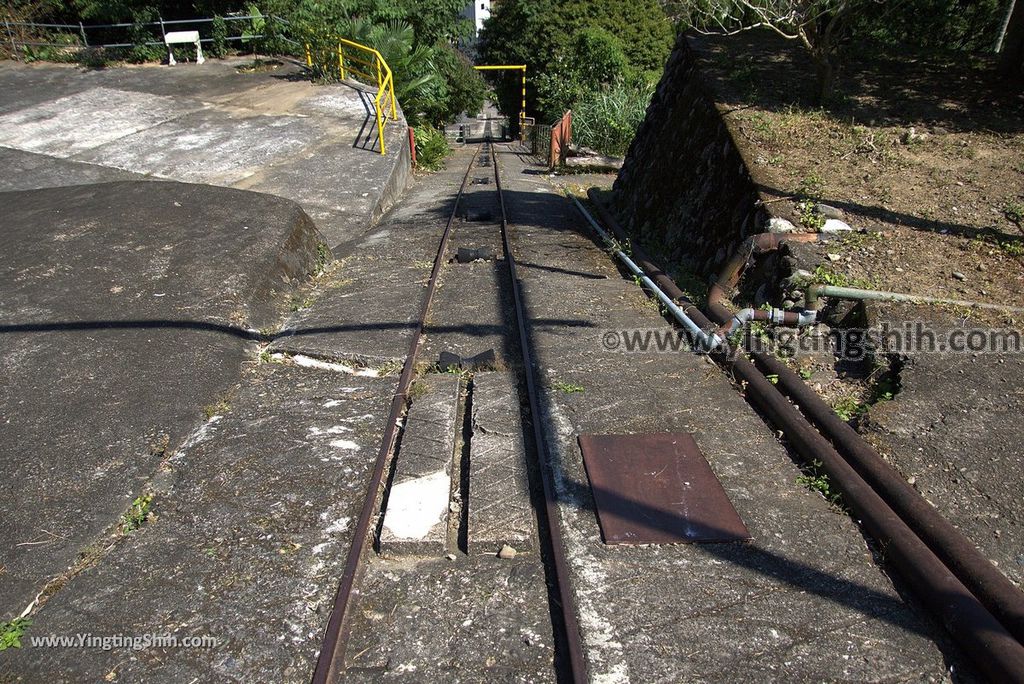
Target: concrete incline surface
x,y
273,132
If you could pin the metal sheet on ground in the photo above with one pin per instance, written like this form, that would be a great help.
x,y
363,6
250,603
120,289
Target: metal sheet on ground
x,y
657,489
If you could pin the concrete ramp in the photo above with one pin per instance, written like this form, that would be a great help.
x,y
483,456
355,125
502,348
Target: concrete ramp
x,y
126,310
273,132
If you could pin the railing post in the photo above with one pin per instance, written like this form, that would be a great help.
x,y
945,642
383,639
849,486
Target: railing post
x,y
81,30
522,111
309,57
341,61
10,36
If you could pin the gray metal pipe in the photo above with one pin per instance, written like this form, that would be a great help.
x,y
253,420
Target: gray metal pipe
x,y
776,316
709,341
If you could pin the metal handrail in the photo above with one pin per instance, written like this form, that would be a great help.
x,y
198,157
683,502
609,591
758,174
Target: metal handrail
x,y
385,100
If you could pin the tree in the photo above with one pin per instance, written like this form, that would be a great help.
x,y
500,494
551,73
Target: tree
x,y
818,25
1011,59
592,58
537,32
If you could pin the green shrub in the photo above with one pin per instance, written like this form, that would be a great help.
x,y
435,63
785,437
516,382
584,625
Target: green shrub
x,y
139,34
463,88
607,119
431,148
219,33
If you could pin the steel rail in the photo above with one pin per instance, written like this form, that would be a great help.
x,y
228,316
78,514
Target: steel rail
x,y
332,649
570,624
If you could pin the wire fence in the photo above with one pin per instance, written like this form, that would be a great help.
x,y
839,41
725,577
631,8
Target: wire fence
x,y
31,40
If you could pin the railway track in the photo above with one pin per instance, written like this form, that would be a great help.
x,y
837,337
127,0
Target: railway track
x,y
568,648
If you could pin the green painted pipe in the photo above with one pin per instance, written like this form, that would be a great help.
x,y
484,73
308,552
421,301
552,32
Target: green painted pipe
x,y
818,290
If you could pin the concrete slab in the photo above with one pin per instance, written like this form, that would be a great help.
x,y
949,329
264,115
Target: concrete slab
x,y
72,124
418,501
208,146
273,132
500,510
951,430
122,316
31,171
252,516
474,619
804,601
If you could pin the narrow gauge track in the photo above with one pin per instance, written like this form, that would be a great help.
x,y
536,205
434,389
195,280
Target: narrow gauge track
x,y
330,662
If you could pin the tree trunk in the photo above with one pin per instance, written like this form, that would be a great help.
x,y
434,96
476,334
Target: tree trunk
x,y
1003,26
1011,61
826,76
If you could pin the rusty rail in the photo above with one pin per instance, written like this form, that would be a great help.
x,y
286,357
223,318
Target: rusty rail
x,y
332,650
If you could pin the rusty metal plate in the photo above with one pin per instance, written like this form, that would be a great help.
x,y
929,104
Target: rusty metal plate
x,y
657,489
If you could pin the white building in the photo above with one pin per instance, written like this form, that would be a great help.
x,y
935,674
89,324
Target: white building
x,y
477,11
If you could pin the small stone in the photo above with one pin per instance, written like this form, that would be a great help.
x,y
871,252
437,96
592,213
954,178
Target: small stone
x,y
911,481
833,257
780,225
450,556
829,211
835,226
507,552
959,276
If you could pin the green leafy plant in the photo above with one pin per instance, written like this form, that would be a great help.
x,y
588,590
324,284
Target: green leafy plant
x,y
252,34
810,185
567,387
323,257
607,118
431,147
137,515
219,34
810,218
816,479
849,408
140,35
12,631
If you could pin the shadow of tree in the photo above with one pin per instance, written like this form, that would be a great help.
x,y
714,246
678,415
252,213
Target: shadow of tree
x,y
958,92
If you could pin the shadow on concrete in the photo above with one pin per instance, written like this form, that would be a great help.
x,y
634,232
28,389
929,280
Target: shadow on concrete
x,y
257,336
365,140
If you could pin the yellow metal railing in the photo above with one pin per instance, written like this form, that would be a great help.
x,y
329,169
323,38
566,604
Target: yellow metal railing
x,y
368,66
516,67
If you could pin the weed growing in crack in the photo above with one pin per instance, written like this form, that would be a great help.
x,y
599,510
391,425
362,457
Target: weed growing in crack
x,y
567,387
137,515
849,408
816,479
211,410
11,632
323,257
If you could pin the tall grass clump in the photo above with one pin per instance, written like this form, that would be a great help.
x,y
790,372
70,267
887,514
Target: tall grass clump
x,y
606,119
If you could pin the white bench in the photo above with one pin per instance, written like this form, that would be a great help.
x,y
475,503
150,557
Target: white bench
x,y
178,37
